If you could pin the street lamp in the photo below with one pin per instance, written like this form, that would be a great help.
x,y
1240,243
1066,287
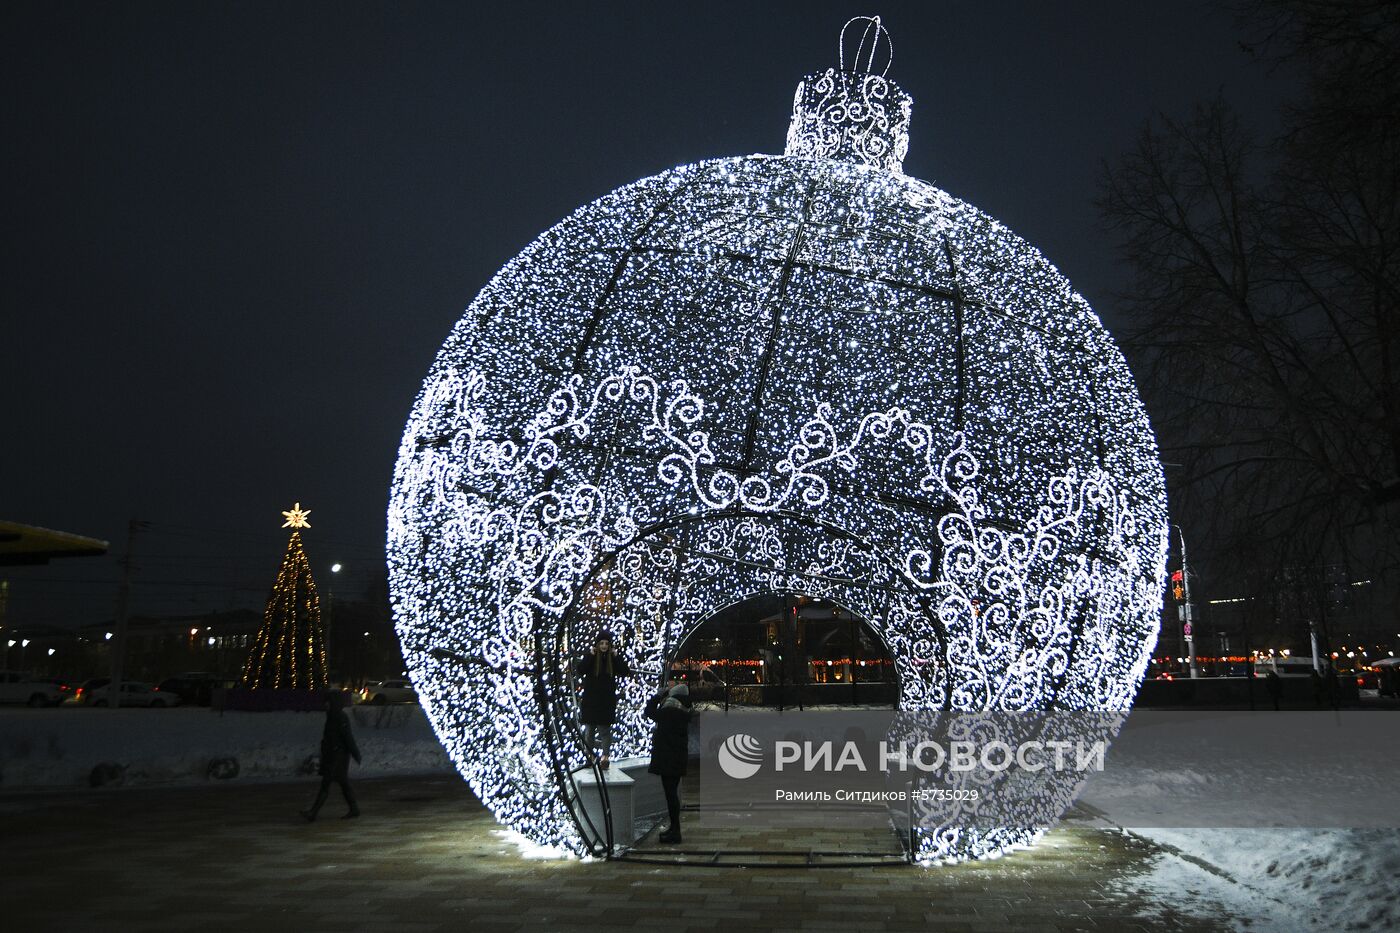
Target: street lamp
x,y
1185,610
330,613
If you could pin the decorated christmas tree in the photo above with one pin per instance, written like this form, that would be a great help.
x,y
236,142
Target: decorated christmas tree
x,y
290,650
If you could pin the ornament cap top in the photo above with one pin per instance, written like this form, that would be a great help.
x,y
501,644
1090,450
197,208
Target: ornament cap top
x,y
873,32
850,113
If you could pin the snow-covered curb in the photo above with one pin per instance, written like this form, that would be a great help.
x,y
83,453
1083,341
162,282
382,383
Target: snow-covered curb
x,y
61,747
1282,880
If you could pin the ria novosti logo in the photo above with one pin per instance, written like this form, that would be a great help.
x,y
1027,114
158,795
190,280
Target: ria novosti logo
x,y
740,756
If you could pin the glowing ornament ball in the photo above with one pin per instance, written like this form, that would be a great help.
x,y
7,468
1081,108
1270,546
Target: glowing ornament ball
x,y
806,373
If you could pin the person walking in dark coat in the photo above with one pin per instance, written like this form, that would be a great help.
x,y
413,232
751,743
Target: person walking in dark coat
x,y
670,747
598,673
337,748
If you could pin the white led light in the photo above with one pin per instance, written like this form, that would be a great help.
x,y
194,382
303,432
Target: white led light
x,y
807,374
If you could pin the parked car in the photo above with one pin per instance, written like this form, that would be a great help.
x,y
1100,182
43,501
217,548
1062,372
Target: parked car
x,y
1388,677
19,687
134,693
84,694
388,691
195,688
65,687
1285,667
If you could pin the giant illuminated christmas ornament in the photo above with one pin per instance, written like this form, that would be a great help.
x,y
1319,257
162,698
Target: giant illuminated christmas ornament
x,y
808,374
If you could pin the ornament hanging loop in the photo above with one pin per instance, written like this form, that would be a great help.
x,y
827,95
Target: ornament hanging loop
x,y
872,32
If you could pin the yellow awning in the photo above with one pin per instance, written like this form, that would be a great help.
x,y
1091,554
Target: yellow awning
x,y
26,544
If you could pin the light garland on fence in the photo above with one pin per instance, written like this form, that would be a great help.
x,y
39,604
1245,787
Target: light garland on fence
x,y
803,374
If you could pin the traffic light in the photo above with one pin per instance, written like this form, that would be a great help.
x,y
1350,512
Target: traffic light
x,y
1178,586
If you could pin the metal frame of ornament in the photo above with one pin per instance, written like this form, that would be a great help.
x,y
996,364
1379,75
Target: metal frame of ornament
x,y
850,355
569,543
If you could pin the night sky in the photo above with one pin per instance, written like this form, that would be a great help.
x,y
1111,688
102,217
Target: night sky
x,y
236,234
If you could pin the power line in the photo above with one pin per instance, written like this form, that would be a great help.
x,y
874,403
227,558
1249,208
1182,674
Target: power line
x,y
196,531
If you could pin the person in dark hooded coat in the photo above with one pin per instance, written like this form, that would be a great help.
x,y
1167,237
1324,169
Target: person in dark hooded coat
x,y
337,748
670,748
598,673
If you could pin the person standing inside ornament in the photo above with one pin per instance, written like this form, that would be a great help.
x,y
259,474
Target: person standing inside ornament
x,y
670,748
337,748
598,673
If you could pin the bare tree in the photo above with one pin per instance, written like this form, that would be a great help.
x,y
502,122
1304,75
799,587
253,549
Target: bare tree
x,y
1266,301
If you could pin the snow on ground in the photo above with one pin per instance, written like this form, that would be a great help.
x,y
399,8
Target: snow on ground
x,y
1280,879
528,849
1253,769
1299,847
1286,821
60,747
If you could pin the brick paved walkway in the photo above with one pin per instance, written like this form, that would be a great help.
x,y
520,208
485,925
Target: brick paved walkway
x,y
426,857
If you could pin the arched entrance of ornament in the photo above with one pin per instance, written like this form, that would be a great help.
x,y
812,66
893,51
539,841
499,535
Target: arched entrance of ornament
x,y
659,591
786,651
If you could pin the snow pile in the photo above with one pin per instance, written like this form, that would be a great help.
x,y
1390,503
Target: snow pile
x,y
1289,823
60,748
527,849
1281,879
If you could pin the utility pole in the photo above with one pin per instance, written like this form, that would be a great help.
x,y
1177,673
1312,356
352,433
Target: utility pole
x,y
123,606
1248,655
1186,609
4,607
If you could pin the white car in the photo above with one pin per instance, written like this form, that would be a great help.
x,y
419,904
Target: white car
x,y
388,691
136,693
19,687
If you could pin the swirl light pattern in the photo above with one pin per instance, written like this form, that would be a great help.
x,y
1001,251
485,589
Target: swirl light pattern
x,y
859,117
795,374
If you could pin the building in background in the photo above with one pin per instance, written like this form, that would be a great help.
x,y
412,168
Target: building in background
x,y
42,649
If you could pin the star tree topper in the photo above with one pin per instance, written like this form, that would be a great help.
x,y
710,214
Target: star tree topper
x,y
296,518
